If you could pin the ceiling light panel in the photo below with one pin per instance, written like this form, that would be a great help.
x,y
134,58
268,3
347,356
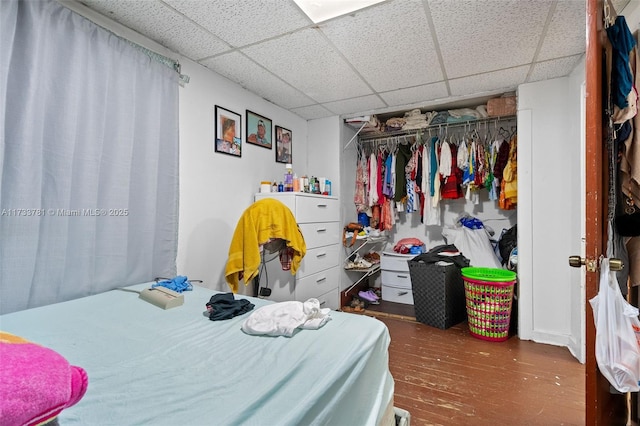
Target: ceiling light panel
x,y
322,10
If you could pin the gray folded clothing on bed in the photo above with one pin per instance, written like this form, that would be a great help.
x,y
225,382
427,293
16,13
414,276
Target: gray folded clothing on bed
x,y
224,306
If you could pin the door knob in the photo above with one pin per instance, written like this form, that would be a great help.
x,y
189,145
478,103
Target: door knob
x,y
616,264
577,261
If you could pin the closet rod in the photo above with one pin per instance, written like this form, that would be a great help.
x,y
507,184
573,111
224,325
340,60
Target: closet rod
x,y
381,136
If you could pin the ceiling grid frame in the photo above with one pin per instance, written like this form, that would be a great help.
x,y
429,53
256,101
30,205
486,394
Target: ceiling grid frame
x,y
340,84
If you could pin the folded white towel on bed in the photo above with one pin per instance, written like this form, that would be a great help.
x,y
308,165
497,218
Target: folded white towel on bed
x,y
283,318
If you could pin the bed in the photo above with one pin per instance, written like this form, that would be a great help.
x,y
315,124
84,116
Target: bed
x,y
146,365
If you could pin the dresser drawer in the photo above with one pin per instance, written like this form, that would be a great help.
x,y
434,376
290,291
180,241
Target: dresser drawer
x,y
396,279
317,284
318,234
397,294
393,261
319,259
330,299
286,198
317,209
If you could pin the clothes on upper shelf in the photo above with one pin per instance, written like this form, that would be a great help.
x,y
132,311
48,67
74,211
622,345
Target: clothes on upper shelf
x,y
416,176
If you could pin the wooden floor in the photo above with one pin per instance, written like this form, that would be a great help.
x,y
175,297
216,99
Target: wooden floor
x,y
448,377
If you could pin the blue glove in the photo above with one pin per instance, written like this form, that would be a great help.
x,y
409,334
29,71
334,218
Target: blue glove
x,y
178,284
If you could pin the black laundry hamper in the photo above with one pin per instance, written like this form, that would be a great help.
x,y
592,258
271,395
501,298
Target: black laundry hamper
x,y
438,294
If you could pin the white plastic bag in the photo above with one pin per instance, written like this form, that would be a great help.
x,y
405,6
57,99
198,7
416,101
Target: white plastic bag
x,y
474,244
617,333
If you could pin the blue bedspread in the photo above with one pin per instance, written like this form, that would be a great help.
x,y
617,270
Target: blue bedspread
x,y
176,367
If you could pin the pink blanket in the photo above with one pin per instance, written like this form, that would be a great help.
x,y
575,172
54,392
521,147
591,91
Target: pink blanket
x,y
36,383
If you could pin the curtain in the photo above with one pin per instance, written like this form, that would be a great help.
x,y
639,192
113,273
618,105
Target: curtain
x,y
88,159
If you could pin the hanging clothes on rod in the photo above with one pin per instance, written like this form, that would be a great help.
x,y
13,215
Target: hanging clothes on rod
x,y
414,171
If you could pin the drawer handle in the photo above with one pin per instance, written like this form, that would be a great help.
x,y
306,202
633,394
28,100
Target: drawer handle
x,y
321,230
321,279
402,293
402,276
321,254
322,205
323,302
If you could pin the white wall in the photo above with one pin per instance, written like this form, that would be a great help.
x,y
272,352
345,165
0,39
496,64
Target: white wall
x,y
348,158
324,150
215,188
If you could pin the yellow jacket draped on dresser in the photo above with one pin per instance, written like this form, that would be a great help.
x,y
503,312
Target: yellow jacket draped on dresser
x,y
263,221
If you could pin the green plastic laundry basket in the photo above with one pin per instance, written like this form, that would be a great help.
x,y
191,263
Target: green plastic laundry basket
x,y
489,296
488,274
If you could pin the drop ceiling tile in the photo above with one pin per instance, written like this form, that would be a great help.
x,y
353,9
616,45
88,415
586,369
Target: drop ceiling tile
x,y
347,106
307,61
312,111
380,49
386,56
242,70
503,80
240,23
554,68
486,35
163,25
415,94
565,35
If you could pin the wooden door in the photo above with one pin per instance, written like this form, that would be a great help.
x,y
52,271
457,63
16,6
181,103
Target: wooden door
x,y
602,408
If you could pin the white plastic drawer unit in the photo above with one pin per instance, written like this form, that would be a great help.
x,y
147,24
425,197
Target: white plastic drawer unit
x,y
397,294
392,261
396,279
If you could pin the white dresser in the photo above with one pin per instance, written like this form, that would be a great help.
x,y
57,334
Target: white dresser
x,y
395,277
318,217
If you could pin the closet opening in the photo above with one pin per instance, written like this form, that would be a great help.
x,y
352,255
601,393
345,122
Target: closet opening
x,y
419,180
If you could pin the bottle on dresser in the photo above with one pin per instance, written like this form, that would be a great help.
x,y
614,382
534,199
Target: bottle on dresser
x,y
288,179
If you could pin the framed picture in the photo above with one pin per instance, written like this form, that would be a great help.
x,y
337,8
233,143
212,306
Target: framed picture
x,y
283,145
228,132
259,130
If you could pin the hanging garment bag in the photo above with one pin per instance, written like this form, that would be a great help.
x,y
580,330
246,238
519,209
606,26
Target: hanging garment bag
x,y
617,333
